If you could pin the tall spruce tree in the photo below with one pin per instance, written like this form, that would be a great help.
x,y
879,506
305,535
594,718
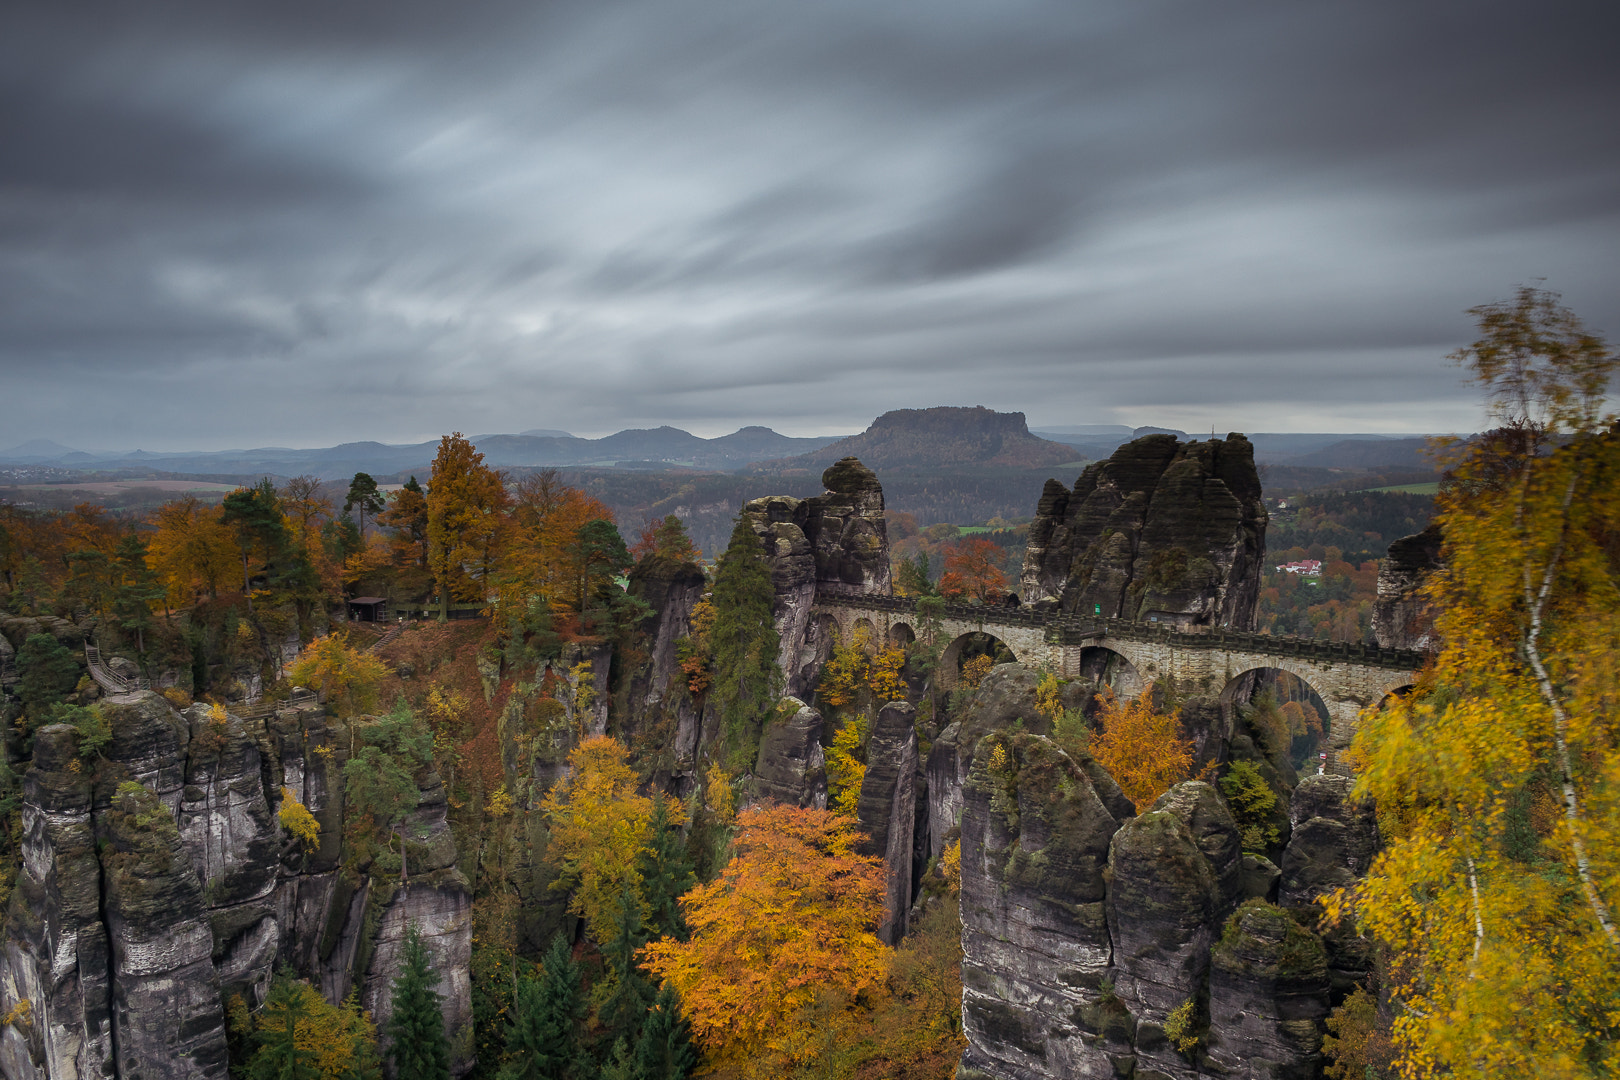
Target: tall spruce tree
x,y
744,643
254,514
137,590
664,1051
46,673
624,1006
543,1041
666,873
420,1050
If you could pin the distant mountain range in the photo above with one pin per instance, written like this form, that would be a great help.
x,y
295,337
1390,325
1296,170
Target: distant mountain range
x,y
663,447
926,439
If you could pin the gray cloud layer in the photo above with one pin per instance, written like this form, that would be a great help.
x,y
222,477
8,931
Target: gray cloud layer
x,y
306,223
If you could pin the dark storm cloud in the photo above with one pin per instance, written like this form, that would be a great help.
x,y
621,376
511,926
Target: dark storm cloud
x,y
308,223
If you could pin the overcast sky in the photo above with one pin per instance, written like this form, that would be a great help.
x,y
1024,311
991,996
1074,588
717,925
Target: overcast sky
x,y
309,223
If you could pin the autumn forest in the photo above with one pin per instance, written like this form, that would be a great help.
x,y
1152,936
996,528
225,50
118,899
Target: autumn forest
x,y
534,794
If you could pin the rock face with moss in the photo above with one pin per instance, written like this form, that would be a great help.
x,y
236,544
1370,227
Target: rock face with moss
x,y
1161,530
1101,944
157,882
792,767
653,690
56,952
1035,934
166,1010
834,543
1174,875
1268,996
887,809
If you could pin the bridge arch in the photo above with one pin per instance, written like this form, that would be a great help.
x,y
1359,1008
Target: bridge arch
x,y
861,625
1102,665
902,634
1309,728
965,647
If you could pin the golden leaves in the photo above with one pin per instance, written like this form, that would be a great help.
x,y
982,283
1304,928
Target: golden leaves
x,y
785,924
1142,749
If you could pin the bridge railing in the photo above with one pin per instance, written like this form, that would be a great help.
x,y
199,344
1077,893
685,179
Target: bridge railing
x,y
1079,630
108,679
300,698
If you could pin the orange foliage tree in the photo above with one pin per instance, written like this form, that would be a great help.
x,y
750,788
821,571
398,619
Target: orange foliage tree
x,y
1142,749
544,556
785,926
346,676
466,504
192,550
973,570
599,825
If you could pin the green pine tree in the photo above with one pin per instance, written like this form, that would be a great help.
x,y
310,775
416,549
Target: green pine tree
x,y
46,673
664,1051
420,1050
255,515
89,584
365,497
279,1056
666,874
33,594
137,590
620,1064
543,1041
744,643
628,993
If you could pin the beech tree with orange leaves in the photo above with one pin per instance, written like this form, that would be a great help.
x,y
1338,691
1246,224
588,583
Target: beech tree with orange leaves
x,y
1141,748
466,505
973,571
784,929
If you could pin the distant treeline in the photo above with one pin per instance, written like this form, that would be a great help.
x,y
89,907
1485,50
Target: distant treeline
x,y
1361,524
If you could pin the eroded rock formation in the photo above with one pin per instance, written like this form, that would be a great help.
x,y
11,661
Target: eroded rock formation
x,y
1100,943
835,543
887,808
157,883
1162,530
1403,617
792,768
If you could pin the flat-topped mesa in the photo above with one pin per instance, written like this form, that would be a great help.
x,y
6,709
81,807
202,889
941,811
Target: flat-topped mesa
x,y
1162,531
833,543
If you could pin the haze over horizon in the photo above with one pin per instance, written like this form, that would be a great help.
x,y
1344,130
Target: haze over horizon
x,y
299,225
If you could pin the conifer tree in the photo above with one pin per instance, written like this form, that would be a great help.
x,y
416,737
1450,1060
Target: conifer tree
x,y
137,590
33,594
664,1051
46,673
628,993
420,1050
543,1043
254,514
365,497
744,642
282,1054
666,873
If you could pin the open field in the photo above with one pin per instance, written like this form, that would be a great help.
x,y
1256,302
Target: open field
x,y
1412,489
118,487
136,495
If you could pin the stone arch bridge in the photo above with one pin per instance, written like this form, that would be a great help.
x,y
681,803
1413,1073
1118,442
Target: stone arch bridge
x,y
1349,678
